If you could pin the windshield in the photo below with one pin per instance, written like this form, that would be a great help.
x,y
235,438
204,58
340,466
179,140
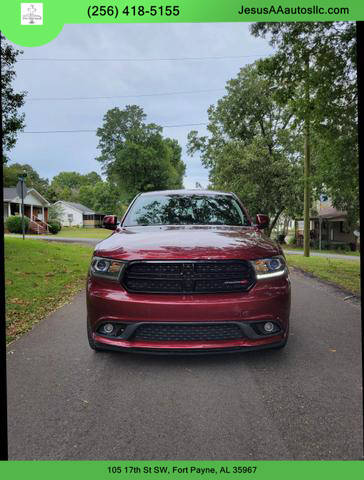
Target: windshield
x,y
196,209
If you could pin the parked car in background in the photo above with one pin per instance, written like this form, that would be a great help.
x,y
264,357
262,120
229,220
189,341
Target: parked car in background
x,y
187,271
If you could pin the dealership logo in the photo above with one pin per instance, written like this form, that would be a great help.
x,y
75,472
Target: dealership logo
x,y
32,13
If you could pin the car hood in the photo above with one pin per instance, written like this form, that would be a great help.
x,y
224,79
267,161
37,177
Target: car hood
x,y
187,242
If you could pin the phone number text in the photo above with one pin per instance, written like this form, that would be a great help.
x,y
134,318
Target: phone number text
x,y
132,10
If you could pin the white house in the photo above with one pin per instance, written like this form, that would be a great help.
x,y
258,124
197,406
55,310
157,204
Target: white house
x,y
35,208
78,215
35,205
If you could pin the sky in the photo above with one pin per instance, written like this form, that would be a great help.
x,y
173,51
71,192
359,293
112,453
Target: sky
x,y
52,86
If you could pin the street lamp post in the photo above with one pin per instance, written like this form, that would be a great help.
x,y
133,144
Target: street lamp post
x,y
22,178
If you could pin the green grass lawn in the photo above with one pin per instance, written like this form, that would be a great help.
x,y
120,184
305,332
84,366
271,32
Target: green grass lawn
x,y
73,232
340,252
344,273
40,277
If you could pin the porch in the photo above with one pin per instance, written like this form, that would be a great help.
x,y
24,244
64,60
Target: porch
x,y
31,211
328,233
37,215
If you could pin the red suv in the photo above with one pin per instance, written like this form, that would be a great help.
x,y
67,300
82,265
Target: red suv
x,y
186,271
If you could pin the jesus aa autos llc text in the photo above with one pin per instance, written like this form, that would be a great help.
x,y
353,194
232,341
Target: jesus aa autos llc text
x,y
221,469
279,10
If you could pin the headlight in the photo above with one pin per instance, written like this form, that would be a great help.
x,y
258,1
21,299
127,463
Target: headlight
x,y
106,268
269,267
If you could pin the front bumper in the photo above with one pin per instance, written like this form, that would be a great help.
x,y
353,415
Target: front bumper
x,y
268,300
188,351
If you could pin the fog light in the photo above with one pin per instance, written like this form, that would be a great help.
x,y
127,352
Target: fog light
x,y
108,328
269,327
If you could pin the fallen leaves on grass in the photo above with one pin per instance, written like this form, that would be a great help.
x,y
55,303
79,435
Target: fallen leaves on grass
x,y
18,301
341,273
38,281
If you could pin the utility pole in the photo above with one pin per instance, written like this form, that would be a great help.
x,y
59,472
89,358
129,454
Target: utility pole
x,y
307,166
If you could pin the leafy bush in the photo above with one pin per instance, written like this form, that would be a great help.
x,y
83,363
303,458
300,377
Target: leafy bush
x,y
54,227
55,213
344,247
292,241
14,224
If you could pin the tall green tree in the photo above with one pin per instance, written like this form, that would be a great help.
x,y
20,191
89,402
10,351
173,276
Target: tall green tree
x,y
135,154
67,185
314,71
11,101
74,180
174,150
252,147
102,197
11,176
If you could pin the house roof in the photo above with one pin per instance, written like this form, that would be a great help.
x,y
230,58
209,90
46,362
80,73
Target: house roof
x,y
10,193
82,208
330,212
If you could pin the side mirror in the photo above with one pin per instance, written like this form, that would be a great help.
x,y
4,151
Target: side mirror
x,y
262,221
110,222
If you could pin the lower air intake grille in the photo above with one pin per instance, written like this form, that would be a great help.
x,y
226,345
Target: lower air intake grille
x,y
188,276
184,333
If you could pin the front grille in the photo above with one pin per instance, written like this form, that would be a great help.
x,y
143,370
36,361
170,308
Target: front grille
x,y
184,333
188,276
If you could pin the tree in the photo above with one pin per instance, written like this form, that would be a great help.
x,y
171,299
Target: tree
x,y
91,178
252,148
135,154
11,101
102,197
175,158
315,75
66,185
11,176
74,180
55,213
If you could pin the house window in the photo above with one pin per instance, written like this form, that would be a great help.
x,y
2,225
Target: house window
x,y
70,217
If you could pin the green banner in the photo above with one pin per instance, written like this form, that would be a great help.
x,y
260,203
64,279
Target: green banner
x,y
34,24
198,470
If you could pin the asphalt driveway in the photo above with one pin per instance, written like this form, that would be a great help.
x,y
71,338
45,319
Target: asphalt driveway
x,y
66,401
